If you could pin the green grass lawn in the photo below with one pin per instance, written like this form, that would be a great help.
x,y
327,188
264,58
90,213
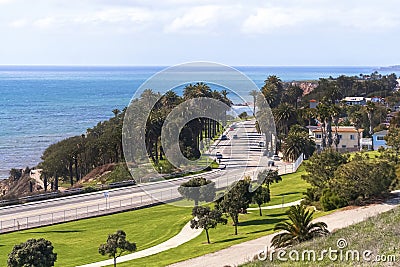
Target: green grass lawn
x,y
251,226
77,242
290,189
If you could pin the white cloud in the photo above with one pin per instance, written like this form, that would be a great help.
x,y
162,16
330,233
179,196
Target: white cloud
x,y
266,20
116,15
45,23
194,19
20,23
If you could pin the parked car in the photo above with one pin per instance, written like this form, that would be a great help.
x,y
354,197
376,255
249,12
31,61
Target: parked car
x,y
235,136
276,158
261,144
218,155
224,137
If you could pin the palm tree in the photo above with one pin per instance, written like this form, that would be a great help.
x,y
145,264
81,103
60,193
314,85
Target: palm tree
x,y
335,111
254,94
370,108
297,143
285,116
299,229
356,119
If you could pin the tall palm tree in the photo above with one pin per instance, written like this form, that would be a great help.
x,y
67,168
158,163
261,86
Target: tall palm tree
x,y
335,111
254,94
285,116
370,108
297,143
299,229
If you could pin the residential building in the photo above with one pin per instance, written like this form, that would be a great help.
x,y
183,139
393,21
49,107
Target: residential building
x,y
378,139
354,100
348,137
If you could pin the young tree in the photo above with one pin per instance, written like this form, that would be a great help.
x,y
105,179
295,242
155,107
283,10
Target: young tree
x,y
198,189
260,196
393,140
363,178
235,201
320,169
116,245
34,253
206,218
299,229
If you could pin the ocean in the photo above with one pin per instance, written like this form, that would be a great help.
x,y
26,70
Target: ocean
x,y
42,105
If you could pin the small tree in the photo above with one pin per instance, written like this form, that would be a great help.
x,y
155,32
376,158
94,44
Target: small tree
x,y
198,189
243,115
260,196
206,218
33,253
116,245
235,201
393,140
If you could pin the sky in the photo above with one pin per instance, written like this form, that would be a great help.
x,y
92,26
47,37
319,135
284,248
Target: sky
x,y
169,32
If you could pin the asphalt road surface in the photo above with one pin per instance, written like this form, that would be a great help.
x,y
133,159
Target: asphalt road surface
x,y
241,156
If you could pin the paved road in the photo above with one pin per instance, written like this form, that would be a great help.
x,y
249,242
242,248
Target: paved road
x,y
241,156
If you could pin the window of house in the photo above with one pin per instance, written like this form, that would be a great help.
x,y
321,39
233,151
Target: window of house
x,y
343,146
318,136
352,137
340,136
380,138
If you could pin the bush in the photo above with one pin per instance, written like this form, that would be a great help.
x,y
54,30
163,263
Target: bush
x,y
331,201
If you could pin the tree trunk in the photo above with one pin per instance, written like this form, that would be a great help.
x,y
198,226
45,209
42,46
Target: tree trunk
x,y
76,168
196,202
259,206
208,237
115,261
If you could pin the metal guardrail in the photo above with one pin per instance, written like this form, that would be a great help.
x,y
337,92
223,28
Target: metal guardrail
x,y
113,206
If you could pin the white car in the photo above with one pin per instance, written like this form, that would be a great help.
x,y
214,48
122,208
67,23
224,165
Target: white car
x,y
276,158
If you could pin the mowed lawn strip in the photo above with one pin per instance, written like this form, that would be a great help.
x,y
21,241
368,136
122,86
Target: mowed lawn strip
x,y
251,226
77,243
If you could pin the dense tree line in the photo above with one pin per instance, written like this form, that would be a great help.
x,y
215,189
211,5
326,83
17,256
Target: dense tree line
x,y
290,108
76,156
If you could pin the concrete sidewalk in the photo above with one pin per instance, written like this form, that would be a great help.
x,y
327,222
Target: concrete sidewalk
x,y
185,235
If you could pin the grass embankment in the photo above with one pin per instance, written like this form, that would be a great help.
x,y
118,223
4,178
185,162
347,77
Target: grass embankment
x,y
251,226
77,243
290,189
379,234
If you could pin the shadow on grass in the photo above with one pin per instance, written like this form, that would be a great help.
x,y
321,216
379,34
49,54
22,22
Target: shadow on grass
x,y
288,193
55,232
283,213
228,240
266,221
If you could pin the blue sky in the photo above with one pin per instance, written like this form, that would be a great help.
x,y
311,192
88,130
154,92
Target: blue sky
x,y
168,32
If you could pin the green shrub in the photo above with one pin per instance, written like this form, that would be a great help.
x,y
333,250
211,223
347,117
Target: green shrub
x,y
331,201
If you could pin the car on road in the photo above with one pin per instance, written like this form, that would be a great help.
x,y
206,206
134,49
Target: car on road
x,y
235,136
261,144
276,158
224,137
218,155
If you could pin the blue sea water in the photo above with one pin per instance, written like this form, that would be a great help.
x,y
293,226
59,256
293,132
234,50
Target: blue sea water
x,y
42,105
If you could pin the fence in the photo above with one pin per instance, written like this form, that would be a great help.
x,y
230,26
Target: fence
x,y
105,205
